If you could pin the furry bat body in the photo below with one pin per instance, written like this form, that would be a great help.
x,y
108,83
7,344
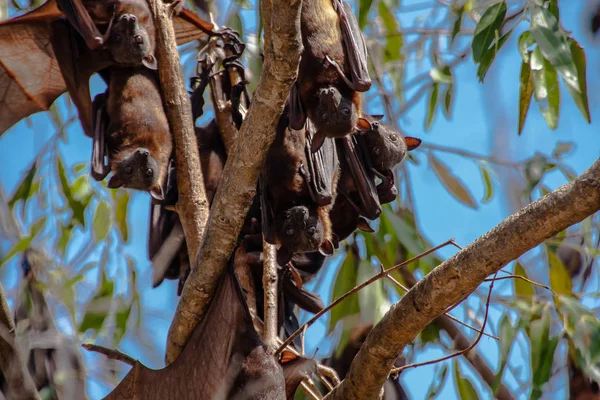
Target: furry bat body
x,y
224,359
132,121
333,70
295,203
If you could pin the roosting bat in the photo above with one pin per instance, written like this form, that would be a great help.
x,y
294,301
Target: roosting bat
x,y
132,121
224,359
297,192
31,80
334,49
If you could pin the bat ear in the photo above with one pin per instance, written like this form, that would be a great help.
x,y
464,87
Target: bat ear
x,y
284,256
149,62
377,117
115,182
326,248
156,192
335,240
411,142
317,141
363,125
364,226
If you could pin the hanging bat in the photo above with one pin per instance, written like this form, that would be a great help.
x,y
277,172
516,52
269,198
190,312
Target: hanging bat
x,y
166,241
224,359
333,70
52,358
26,41
297,193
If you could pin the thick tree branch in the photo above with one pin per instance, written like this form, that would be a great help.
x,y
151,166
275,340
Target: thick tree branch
x,y
192,205
20,383
283,45
270,294
462,342
453,280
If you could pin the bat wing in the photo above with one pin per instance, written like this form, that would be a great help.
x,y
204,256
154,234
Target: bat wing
x,y
356,160
294,372
356,49
224,358
188,26
25,41
322,167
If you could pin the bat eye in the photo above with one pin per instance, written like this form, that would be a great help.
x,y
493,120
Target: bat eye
x,y
138,39
323,116
376,151
116,37
289,231
149,172
311,230
393,137
345,112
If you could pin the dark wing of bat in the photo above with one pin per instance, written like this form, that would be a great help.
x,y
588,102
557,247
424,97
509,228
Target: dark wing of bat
x,y
30,76
356,155
356,49
80,19
99,165
267,212
224,359
321,168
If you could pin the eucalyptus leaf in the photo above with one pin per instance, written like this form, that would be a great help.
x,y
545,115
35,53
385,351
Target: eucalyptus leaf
x,y
451,182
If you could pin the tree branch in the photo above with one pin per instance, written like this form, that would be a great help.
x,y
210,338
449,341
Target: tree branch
x,y
454,279
234,196
20,383
270,294
192,205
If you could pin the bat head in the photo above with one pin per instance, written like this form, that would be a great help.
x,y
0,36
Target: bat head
x,y
300,230
387,146
336,114
137,170
130,43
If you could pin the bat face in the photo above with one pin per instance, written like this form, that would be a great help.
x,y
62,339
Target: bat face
x,y
387,146
336,115
300,230
137,170
130,42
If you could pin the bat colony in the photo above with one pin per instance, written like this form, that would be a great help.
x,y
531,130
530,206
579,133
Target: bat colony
x,y
327,173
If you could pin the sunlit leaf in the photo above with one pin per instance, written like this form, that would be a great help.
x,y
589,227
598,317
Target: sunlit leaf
x,y
525,93
451,182
77,168
560,280
542,351
374,297
489,56
23,190
432,105
552,41
441,75
546,91
24,241
394,39
98,308
487,184
457,24
522,288
580,97
487,29
121,209
76,206
464,386
346,279
507,333
102,221
121,318
363,12
525,42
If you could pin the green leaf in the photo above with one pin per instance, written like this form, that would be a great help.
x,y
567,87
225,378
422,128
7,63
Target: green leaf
x,y
561,149
553,8
488,27
580,97
443,75
451,182
76,206
464,386
522,288
525,42
487,183
546,91
121,318
457,24
525,93
121,208
448,101
24,241
395,39
23,191
552,41
489,56
98,308
102,221
346,279
363,12
77,168
507,333
535,168
374,298
439,379
560,280
432,105
542,351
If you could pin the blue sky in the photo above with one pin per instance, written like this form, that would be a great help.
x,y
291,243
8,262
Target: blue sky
x,y
484,121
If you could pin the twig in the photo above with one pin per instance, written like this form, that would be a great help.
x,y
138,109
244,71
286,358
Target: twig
x,y
366,283
270,294
329,373
396,371
240,176
469,154
113,354
523,279
461,274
